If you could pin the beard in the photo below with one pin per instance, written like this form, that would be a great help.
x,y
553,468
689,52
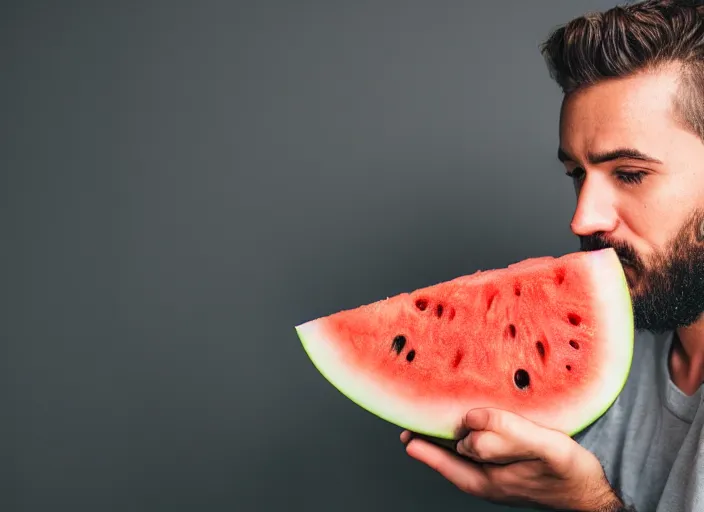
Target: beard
x,y
667,290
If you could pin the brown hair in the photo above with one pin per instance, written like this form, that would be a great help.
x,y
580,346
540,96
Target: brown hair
x,y
631,38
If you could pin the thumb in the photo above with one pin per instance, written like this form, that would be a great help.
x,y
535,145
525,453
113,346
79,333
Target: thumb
x,y
479,419
516,430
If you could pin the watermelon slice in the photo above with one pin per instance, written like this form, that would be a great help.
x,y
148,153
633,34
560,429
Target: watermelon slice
x,y
550,338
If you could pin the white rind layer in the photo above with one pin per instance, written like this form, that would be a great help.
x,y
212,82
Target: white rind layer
x,y
443,418
432,417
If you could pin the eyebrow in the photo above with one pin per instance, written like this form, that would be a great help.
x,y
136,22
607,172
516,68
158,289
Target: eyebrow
x,y
607,156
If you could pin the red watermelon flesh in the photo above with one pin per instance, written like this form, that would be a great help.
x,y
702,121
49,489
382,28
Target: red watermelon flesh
x,y
548,338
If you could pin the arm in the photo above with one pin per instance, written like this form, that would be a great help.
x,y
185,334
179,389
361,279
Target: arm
x,y
507,459
616,505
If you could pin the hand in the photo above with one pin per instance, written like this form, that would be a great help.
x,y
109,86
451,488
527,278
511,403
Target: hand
x,y
508,459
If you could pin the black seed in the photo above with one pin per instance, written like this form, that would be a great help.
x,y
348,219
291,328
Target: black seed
x,y
574,344
421,304
521,378
438,310
512,330
410,355
574,319
399,343
569,368
541,348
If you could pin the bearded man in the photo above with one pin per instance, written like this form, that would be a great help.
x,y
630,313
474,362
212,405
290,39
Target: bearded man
x,y
631,137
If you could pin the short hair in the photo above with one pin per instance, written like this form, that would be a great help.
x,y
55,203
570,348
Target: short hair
x,y
632,38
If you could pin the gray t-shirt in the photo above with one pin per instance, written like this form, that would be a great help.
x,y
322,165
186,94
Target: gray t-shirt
x,y
650,441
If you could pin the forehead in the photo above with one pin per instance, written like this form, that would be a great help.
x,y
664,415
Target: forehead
x,y
635,111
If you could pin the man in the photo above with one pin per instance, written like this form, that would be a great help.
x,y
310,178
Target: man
x,y
632,139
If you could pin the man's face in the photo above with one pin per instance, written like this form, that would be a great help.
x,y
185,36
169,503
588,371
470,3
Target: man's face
x,y
649,208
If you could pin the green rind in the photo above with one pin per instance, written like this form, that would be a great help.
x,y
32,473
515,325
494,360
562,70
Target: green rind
x,y
621,331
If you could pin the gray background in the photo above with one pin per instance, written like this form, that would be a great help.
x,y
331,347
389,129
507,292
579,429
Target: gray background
x,y
182,183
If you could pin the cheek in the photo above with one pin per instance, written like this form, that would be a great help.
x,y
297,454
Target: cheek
x,y
649,224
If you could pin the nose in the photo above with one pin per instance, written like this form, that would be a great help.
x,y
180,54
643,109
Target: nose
x,y
595,210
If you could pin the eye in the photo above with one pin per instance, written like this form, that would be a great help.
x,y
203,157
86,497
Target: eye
x,y
630,177
575,173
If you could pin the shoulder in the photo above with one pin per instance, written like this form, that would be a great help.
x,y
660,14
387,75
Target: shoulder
x,y
684,489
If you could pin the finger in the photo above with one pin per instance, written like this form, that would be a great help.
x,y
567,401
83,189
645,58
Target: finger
x,y
479,419
487,446
492,437
406,436
464,474
502,436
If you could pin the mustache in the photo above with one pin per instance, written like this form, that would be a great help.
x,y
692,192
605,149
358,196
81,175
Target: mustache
x,y
599,241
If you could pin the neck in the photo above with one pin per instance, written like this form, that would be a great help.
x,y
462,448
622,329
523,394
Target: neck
x,y
687,357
